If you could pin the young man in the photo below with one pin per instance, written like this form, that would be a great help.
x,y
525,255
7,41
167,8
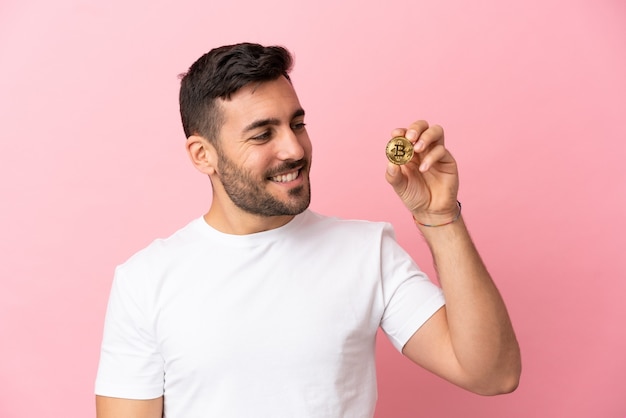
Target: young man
x,y
262,308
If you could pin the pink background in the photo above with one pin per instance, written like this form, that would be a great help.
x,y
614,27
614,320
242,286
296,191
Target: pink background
x,y
532,95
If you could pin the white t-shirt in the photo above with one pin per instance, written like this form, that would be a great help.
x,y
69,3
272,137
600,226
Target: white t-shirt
x,y
280,323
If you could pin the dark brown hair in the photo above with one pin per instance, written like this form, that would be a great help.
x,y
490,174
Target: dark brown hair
x,y
220,73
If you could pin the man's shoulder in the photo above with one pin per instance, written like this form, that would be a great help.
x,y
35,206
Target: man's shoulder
x,y
161,250
340,225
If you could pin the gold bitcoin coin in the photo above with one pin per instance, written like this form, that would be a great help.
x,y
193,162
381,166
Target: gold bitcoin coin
x,y
399,150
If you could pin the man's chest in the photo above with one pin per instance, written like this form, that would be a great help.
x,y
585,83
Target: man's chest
x,y
275,319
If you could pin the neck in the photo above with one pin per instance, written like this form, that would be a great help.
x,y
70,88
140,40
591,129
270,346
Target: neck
x,y
235,221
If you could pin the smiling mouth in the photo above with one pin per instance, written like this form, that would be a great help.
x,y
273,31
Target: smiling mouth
x,y
285,178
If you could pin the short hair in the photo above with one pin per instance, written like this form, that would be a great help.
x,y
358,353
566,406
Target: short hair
x,y
220,73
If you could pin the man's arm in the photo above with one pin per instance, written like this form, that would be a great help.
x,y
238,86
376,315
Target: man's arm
x,y
107,407
470,341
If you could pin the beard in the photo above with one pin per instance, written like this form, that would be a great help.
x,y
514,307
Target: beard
x,y
250,194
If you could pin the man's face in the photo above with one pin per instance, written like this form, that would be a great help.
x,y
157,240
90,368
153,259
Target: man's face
x,y
264,151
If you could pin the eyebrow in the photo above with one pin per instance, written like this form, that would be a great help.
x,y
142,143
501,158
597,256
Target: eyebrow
x,y
270,121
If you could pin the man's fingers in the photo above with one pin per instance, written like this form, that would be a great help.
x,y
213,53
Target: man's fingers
x,y
432,135
421,134
415,130
435,154
398,132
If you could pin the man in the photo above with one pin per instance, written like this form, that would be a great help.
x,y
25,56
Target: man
x,y
262,308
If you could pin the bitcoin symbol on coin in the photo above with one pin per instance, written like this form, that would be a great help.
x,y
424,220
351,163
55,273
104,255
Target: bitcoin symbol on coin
x,y
399,150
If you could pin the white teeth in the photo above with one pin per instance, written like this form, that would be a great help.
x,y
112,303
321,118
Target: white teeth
x,y
285,177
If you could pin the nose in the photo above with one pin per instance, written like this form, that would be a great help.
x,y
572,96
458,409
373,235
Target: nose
x,y
291,146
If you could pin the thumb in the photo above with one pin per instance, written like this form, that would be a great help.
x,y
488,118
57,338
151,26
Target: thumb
x,y
394,176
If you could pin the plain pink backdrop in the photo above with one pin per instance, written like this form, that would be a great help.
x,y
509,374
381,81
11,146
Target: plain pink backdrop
x,y
532,95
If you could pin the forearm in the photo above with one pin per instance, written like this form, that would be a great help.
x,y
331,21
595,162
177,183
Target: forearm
x,y
480,330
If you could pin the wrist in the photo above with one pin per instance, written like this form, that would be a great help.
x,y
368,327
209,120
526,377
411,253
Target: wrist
x,y
434,220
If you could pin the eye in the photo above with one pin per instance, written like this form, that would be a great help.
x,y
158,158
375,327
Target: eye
x,y
263,136
298,126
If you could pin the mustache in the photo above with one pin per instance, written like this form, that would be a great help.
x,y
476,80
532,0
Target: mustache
x,y
288,166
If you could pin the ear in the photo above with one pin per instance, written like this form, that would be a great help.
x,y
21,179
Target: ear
x,y
202,154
